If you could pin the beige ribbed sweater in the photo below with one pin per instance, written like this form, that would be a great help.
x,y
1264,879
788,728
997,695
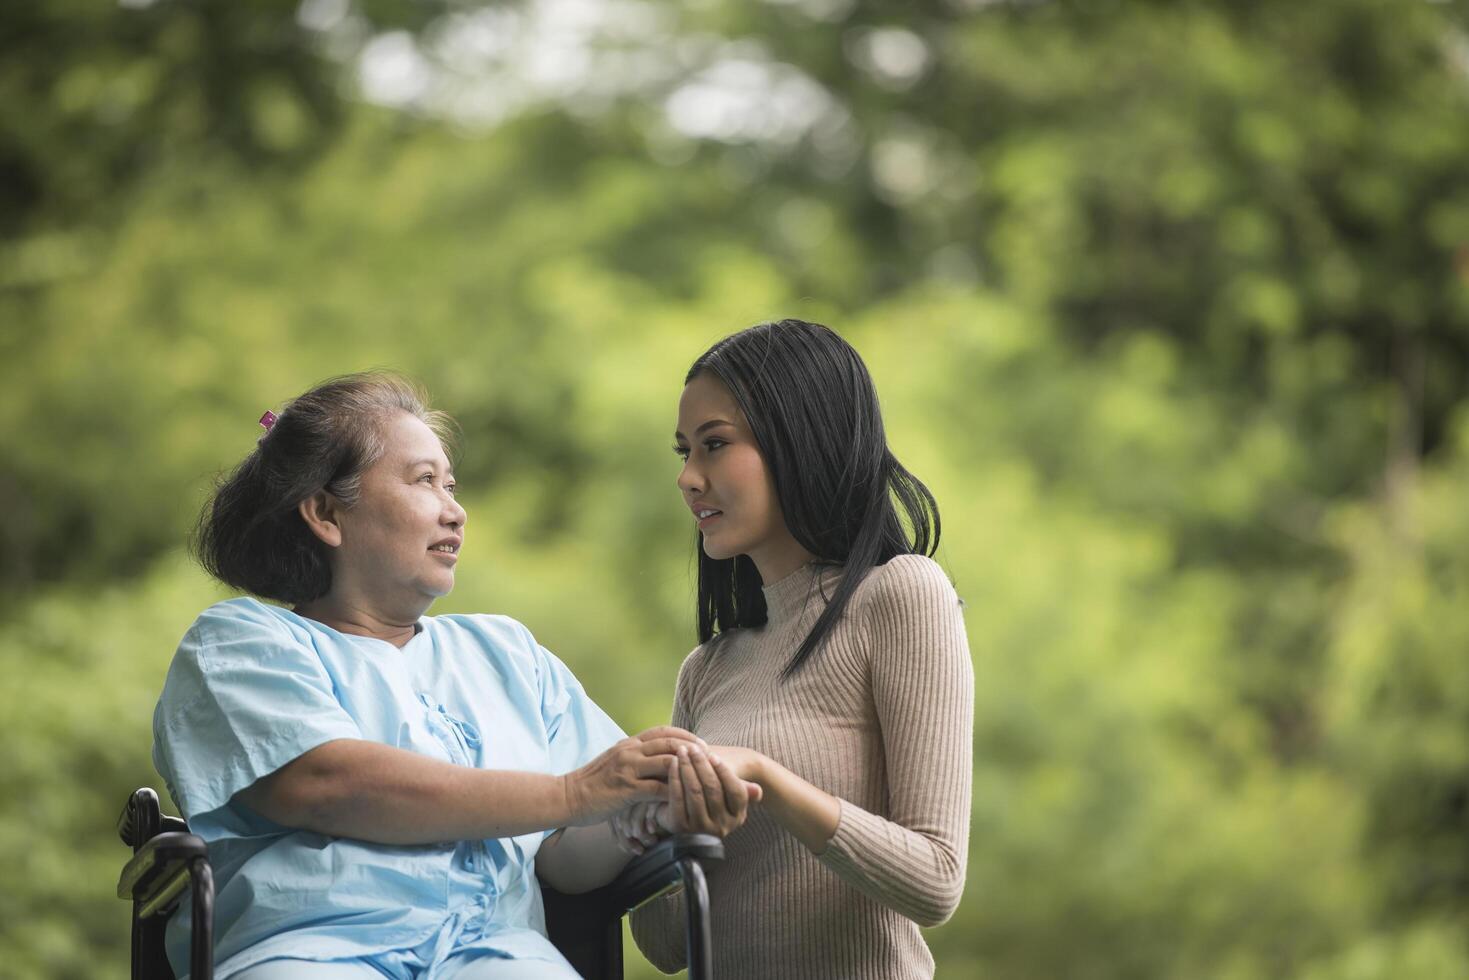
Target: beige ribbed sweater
x,y
882,718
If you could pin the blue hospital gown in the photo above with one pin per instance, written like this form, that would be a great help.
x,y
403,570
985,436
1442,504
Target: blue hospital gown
x,y
254,686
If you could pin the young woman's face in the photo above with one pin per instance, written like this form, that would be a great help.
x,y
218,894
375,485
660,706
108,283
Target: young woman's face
x,y
725,481
401,539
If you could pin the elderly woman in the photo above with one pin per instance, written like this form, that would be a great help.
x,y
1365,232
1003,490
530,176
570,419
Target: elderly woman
x,y
379,788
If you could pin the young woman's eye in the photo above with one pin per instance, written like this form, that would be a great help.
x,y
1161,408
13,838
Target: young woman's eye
x,y
682,452
713,444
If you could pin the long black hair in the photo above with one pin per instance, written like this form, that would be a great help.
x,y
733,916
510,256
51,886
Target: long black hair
x,y
250,534
814,413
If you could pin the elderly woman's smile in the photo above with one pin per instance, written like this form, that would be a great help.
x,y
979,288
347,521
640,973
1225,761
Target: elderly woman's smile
x,y
400,540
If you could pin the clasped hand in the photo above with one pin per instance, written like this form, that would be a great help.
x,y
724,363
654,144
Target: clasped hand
x,y
704,795
634,769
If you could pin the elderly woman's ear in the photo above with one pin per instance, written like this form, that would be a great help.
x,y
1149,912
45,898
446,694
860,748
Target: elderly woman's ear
x,y
320,512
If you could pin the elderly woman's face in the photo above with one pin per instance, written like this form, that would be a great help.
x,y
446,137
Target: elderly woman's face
x,y
404,533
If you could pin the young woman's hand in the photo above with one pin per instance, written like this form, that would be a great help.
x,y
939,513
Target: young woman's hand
x,y
808,812
705,795
634,769
747,764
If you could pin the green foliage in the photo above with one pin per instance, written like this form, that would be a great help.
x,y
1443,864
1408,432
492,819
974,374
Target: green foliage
x,y
1167,304
84,668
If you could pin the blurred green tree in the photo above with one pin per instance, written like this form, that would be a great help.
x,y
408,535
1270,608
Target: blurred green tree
x,y
1168,303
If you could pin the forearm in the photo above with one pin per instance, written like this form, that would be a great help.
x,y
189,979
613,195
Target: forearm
x,y
579,859
917,870
809,813
378,793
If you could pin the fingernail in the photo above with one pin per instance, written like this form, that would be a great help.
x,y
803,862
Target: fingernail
x,y
713,759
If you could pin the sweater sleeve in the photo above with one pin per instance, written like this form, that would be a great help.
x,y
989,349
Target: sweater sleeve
x,y
913,859
658,926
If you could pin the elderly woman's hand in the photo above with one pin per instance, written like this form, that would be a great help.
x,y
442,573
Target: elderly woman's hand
x,y
638,827
705,794
634,769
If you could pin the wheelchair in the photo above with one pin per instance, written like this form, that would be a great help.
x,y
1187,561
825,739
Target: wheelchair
x,y
168,861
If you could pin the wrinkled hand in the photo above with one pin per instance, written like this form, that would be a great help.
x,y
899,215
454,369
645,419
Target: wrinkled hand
x,y
705,794
634,769
638,827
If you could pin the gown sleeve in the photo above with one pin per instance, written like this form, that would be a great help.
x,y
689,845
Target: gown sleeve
x,y
577,730
243,697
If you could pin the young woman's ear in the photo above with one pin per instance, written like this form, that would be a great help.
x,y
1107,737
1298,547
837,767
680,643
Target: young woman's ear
x,y
321,512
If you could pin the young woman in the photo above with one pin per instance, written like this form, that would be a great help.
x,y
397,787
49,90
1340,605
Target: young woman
x,y
833,655
379,788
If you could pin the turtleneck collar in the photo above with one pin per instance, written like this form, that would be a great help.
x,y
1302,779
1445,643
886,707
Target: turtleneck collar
x,y
787,598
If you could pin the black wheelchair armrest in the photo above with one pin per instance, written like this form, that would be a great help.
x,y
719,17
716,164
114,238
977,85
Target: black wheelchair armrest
x,y
660,868
679,858
587,927
160,870
143,819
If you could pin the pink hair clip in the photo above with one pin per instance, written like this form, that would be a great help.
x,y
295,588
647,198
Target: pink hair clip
x,y
267,420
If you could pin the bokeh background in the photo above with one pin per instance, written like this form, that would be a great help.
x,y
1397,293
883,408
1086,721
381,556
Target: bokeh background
x,y
1167,302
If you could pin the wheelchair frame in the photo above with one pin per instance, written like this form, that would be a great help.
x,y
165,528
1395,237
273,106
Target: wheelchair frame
x,y
168,860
